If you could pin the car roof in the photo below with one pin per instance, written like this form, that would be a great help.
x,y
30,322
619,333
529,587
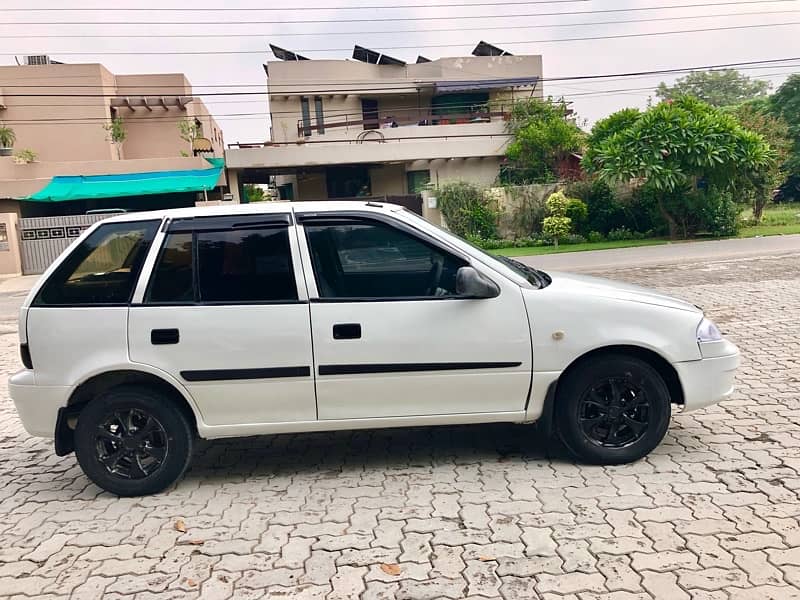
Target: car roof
x,y
255,209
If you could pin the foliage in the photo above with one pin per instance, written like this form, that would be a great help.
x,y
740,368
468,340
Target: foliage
x,y
755,116
542,135
189,130
7,137
25,156
605,128
557,224
724,87
468,210
674,145
785,103
254,193
578,214
116,130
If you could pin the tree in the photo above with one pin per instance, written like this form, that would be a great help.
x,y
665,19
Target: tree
x,y
785,103
724,87
677,147
542,135
254,193
605,128
755,116
189,130
557,224
116,133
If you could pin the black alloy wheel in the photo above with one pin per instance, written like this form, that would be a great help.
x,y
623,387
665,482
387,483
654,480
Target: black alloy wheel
x,y
612,409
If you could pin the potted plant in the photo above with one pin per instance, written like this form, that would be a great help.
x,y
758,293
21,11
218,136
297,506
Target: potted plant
x,y
7,139
26,156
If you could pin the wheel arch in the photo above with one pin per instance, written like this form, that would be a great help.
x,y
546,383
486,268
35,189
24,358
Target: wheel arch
x,y
105,381
651,357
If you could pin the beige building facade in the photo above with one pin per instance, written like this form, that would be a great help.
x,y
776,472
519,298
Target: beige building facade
x,y
376,126
61,112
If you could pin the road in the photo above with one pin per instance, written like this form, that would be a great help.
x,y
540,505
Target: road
x,y
675,253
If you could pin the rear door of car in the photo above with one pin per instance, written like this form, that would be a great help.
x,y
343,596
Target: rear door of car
x,y
224,314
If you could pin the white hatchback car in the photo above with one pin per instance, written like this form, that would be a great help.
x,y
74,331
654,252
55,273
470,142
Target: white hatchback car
x,y
154,328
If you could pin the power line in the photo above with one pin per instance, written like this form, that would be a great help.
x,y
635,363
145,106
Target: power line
x,y
417,46
394,19
739,65
332,114
404,31
345,112
292,9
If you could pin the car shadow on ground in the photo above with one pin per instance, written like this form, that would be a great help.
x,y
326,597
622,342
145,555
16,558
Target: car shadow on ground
x,y
372,449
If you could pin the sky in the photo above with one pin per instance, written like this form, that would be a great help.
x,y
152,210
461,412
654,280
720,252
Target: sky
x,y
517,26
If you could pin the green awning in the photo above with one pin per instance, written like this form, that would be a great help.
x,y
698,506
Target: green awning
x,y
85,187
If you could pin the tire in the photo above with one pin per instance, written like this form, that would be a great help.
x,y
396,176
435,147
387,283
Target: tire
x,y
133,441
612,409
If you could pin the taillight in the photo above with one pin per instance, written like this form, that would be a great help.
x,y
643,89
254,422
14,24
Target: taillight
x,y
25,354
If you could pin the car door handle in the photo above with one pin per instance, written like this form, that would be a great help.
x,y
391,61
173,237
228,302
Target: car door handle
x,y
347,331
160,337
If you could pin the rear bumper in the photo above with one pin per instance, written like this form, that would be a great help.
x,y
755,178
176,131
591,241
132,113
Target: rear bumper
x,y
37,405
707,381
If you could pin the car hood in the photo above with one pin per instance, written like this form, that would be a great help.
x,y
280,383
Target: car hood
x,y
606,288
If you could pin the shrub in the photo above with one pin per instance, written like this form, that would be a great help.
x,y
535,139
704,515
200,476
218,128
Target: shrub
x,y
468,210
595,236
573,238
621,233
556,225
578,213
604,211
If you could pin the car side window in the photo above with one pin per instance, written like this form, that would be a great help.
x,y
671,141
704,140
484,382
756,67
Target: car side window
x,y
366,259
102,269
224,267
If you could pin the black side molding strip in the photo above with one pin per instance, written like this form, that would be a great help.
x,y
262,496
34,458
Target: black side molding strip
x,y
411,367
231,374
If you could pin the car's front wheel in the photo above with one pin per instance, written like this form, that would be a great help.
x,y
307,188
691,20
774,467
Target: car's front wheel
x,y
133,441
612,409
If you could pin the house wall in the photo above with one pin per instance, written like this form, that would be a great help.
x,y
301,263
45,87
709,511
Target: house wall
x,y
388,180
62,128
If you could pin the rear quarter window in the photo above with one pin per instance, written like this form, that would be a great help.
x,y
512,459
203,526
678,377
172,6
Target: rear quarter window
x,y
102,269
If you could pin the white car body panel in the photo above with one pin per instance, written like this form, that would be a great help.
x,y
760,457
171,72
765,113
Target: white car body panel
x,y
544,330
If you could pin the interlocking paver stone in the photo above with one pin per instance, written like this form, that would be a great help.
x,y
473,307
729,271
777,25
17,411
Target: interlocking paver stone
x,y
480,511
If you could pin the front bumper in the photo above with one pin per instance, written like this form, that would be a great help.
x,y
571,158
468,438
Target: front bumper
x,y
37,405
708,380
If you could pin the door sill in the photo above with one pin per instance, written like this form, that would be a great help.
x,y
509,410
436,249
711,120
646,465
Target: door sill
x,y
243,430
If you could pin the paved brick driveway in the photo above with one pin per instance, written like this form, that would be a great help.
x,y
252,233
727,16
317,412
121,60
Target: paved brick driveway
x,y
482,511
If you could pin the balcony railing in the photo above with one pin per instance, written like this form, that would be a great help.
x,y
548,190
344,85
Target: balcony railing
x,y
305,129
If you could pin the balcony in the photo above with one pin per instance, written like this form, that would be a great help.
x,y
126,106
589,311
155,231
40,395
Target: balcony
x,y
347,141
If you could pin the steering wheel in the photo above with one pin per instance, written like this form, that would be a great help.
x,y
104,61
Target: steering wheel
x,y
435,274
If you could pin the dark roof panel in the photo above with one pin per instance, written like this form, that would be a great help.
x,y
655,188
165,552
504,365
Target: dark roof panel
x,y
422,59
388,60
366,55
486,49
283,54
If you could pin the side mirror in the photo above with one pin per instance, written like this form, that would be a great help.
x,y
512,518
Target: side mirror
x,y
471,284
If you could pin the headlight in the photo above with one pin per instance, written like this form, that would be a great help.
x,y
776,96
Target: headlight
x,y
707,331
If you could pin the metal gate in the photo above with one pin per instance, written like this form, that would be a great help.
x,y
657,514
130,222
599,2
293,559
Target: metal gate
x,y
44,238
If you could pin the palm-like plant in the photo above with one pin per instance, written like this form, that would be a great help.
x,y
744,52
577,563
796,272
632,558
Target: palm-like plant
x,y
7,138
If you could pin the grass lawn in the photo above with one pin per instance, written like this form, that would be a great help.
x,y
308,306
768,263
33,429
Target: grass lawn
x,y
779,219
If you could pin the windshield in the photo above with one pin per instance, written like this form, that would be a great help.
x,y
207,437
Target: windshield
x,y
535,277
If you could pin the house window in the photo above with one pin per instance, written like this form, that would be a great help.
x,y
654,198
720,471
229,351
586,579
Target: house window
x,y
304,109
320,117
417,180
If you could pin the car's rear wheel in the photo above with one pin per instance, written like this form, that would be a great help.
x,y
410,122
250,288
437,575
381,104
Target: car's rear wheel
x,y
612,409
133,441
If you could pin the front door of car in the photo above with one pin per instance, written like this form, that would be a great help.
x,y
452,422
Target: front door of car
x,y
392,338
223,314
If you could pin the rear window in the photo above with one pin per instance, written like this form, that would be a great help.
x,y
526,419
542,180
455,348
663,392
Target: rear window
x,y
231,266
102,269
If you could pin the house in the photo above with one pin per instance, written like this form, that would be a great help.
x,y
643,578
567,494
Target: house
x,y
62,113
376,126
